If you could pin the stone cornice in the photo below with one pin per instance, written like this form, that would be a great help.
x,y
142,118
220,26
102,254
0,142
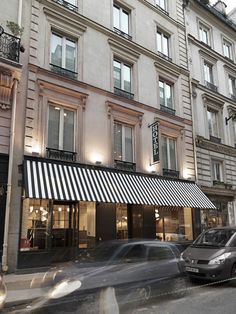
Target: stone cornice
x,y
215,147
218,192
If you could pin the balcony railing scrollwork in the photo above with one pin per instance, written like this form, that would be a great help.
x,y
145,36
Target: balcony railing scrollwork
x,y
54,153
121,33
123,93
10,46
124,165
162,55
67,5
215,139
211,86
170,173
167,109
63,71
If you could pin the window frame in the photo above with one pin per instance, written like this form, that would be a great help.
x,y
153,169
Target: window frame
x,y
168,152
64,38
121,11
229,44
165,7
61,126
123,146
232,86
216,112
163,35
167,83
122,64
204,28
215,162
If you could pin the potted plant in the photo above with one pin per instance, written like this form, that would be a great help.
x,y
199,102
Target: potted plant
x,y
17,32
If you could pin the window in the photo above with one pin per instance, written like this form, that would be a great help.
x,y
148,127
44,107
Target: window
x,y
70,4
208,73
162,4
163,44
168,153
63,52
232,87
122,78
217,171
166,97
121,19
61,127
123,142
213,122
204,34
227,49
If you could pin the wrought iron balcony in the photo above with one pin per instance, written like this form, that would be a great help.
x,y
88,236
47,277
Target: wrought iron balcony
x,y
163,10
60,154
123,93
164,56
67,5
215,139
170,173
9,46
211,86
167,109
233,97
63,71
124,165
123,34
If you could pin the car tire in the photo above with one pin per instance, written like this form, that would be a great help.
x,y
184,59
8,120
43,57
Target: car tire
x,y
233,275
179,288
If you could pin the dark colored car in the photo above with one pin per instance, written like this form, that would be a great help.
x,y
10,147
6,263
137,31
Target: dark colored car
x,y
125,271
212,255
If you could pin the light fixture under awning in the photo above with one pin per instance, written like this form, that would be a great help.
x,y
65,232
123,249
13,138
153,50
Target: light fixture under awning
x,y
46,179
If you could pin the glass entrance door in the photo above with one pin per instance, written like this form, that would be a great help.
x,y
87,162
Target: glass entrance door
x,y
64,225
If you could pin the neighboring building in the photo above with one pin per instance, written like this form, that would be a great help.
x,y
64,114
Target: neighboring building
x,y
211,46
11,133
108,145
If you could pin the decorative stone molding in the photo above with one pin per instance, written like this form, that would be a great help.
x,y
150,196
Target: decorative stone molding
x,y
219,148
6,83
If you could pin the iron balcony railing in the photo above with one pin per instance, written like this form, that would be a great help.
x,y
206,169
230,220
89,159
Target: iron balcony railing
x,y
124,165
63,71
121,33
215,139
164,56
9,47
163,10
170,173
54,153
167,109
123,93
211,86
67,5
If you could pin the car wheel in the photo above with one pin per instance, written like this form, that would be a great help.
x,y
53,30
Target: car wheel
x,y
145,293
179,288
233,275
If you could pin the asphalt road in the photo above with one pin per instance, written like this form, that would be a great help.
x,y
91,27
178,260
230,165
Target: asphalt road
x,y
200,299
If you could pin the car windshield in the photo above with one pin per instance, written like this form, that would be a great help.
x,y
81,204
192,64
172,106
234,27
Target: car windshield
x,y
215,237
104,252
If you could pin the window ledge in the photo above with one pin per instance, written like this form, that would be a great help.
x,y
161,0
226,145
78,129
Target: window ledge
x,y
123,93
222,184
215,139
167,109
121,33
170,173
211,86
54,153
67,5
63,71
124,165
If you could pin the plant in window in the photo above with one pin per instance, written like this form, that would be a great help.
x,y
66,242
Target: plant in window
x,y
16,31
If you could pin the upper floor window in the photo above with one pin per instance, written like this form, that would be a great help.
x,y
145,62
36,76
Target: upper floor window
x,y
63,54
217,173
204,34
232,87
61,128
163,44
123,142
227,49
208,76
166,96
70,4
168,153
122,79
121,20
162,4
213,123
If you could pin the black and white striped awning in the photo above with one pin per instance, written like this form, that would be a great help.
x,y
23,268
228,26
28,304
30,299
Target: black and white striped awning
x,y
45,179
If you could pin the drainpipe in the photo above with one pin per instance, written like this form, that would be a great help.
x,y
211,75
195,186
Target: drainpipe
x,y
19,13
9,182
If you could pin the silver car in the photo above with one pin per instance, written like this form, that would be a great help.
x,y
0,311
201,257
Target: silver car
x,y
212,256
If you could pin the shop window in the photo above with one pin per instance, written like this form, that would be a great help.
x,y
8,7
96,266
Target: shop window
x,y
121,21
163,44
87,224
35,225
122,79
61,128
211,218
121,221
63,55
174,224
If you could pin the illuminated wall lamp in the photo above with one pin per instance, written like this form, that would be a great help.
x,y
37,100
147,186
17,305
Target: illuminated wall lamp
x,y
98,162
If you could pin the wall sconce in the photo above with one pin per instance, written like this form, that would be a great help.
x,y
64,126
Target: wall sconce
x,y
233,117
98,162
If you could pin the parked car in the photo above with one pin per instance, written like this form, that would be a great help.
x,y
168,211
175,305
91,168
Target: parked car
x,y
212,255
129,271
2,292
